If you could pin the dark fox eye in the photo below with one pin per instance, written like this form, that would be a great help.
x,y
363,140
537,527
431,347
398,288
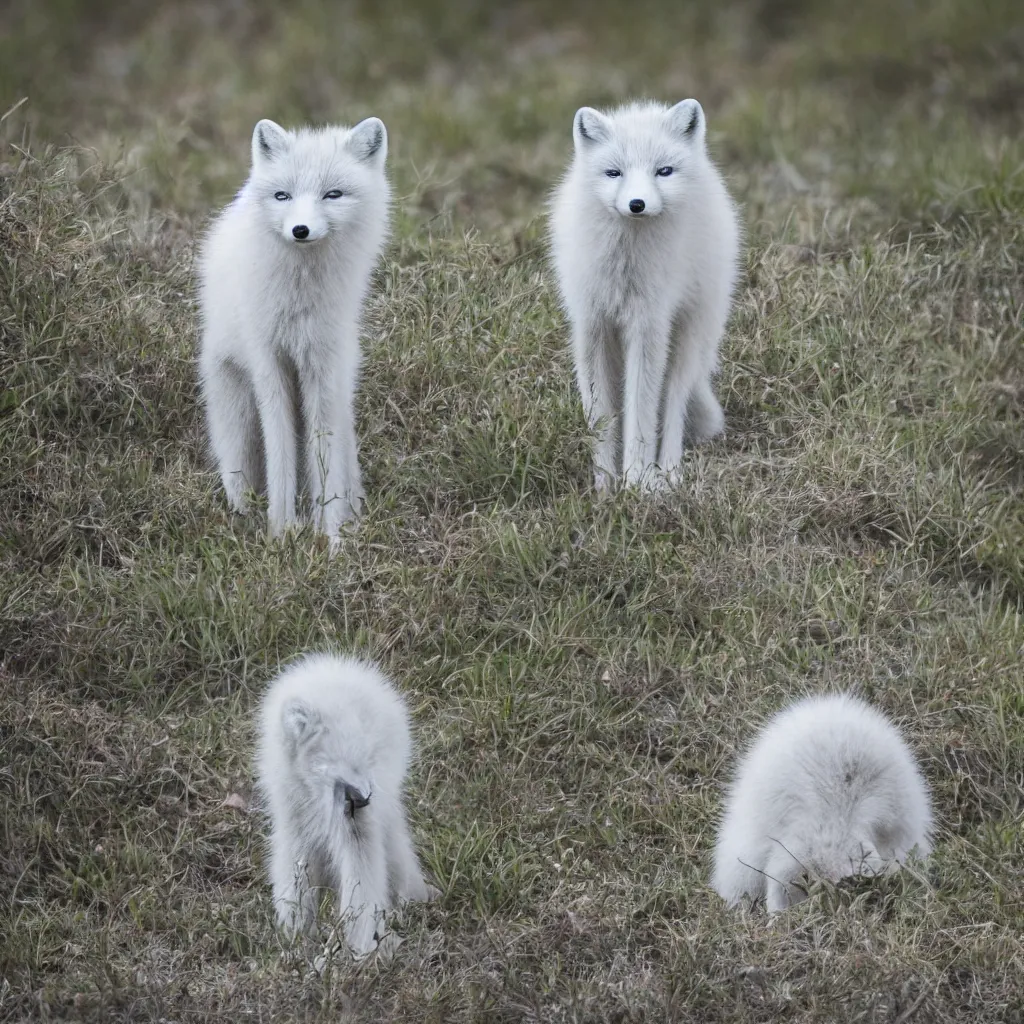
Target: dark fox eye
x,y
664,172
612,173
281,196
335,193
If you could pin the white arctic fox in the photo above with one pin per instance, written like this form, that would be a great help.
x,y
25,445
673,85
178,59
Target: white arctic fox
x,y
645,240
284,272
333,751
828,789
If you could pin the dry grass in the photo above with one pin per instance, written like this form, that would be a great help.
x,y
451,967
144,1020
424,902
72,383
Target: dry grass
x,y
582,672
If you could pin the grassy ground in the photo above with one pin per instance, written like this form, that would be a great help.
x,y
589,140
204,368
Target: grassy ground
x,y
582,672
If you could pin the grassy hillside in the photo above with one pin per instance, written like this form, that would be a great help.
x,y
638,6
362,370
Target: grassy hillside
x,y
582,671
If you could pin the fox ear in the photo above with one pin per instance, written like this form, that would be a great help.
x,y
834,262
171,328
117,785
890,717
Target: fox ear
x,y
589,126
687,119
269,139
369,140
300,721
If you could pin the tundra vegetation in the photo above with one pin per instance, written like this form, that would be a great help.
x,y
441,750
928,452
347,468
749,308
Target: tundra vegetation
x,y
582,671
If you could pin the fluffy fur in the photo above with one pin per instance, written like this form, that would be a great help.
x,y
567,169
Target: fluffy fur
x,y
829,789
284,272
334,749
644,241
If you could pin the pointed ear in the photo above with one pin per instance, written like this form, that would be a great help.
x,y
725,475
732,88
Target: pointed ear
x,y
686,119
590,126
369,140
300,721
268,141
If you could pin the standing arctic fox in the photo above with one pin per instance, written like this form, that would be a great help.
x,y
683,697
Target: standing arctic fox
x,y
828,789
333,752
645,242
284,272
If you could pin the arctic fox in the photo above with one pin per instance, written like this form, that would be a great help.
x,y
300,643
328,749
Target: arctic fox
x,y
333,752
645,241
828,789
284,273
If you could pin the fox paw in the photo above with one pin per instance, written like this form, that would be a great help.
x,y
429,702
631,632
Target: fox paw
x,y
665,479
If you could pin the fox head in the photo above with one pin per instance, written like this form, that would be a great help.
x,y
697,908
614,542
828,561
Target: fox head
x,y
833,855
639,160
312,183
845,859
343,765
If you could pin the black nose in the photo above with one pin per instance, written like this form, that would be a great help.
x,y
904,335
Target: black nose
x,y
636,206
354,799
357,798
301,231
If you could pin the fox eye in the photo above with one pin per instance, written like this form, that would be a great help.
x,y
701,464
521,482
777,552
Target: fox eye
x,y
335,193
613,173
664,172
281,196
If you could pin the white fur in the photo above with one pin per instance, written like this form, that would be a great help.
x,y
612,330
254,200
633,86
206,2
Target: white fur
x,y
281,317
327,722
829,789
647,294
